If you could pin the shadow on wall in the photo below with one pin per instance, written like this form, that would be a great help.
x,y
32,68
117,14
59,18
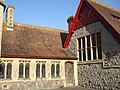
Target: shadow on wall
x,y
63,38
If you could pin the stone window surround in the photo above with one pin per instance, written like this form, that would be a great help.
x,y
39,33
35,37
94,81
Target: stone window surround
x,y
89,61
6,62
41,63
24,62
55,64
15,70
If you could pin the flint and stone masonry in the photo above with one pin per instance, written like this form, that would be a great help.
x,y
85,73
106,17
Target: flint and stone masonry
x,y
101,74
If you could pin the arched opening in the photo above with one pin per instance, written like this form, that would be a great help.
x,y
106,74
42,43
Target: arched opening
x,y
43,70
52,70
27,69
9,70
2,70
37,70
58,70
21,66
69,73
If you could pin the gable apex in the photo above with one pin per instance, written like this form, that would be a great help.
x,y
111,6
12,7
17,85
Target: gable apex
x,y
103,12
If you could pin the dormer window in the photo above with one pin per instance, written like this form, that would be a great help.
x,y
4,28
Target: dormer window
x,y
116,17
89,47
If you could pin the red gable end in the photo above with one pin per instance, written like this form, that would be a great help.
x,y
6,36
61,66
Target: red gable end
x,y
85,15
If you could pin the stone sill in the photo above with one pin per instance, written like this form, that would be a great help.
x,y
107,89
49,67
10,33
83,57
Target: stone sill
x,y
25,79
55,78
90,62
44,78
38,79
3,80
20,81
107,67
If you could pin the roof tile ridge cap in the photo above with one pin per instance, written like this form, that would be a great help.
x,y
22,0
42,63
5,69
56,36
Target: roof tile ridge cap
x,y
104,5
39,27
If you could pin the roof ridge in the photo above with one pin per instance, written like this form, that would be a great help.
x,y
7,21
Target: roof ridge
x,y
106,6
39,27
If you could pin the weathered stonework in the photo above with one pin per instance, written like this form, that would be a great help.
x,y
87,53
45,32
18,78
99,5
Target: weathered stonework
x,y
31,85
33,82
110,46
95,76
104,75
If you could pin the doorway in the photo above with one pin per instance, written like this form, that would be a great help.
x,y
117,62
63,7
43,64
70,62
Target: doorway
x,y
69,73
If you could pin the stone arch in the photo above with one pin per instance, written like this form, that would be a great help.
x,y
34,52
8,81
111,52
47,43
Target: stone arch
x,y
9,70
2,70
58,70
53,70
27,70
21,66
43,70
38,70
69,72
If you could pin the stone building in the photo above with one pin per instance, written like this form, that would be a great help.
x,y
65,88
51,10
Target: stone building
x,y
34,57
94,38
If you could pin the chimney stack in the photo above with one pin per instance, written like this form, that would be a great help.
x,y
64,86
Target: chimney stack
x,y
10,17
70,22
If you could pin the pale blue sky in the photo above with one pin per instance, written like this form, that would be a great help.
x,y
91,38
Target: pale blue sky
x,y
49,13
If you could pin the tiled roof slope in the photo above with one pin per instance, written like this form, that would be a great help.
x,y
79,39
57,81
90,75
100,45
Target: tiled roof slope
x,y
27,40
108,13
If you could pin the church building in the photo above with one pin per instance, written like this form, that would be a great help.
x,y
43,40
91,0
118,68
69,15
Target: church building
x,y
36,57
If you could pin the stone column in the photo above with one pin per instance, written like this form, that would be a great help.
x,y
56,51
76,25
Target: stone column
x,y
48,70
62,71
76,73
15,69
33,70
5,70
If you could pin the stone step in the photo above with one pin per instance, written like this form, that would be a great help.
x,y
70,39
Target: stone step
x,y
70,85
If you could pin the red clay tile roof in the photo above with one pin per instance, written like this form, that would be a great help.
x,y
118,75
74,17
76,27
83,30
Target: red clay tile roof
x,y
33,41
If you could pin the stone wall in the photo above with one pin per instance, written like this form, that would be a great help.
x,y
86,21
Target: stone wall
x,y
110,46
31,85
104,75
33,82
95,76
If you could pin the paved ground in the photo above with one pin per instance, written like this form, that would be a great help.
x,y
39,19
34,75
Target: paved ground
x,y
70,88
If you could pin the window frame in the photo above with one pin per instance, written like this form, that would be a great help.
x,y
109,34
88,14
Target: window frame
x,y
43,70
24,71
81,48
9,71
56,70
21,70
5,68
27,70
38,70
